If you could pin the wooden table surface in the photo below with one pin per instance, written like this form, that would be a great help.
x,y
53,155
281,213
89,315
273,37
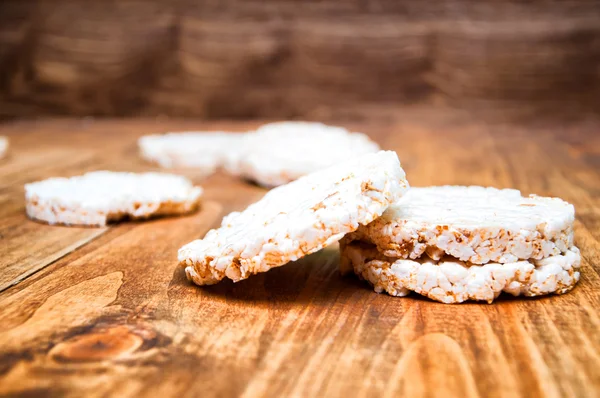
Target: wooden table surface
x,y
106,311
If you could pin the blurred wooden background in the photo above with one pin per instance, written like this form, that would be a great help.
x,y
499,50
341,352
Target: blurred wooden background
x,y
299,59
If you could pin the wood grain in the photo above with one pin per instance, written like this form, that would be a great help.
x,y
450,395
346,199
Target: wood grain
x,y
109,313
329,59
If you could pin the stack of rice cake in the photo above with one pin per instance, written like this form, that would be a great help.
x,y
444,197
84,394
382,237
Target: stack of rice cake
x,y
455,243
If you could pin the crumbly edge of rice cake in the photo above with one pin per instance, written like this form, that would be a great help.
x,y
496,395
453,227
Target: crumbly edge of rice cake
x,y
54,213
452,281
478,246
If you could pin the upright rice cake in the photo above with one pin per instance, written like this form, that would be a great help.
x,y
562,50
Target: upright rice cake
x,y
456,243
296,219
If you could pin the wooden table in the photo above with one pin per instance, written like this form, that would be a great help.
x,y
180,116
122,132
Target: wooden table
x,y
105,311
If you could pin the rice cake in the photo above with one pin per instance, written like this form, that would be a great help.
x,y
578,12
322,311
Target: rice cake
x,y
296,219
452,281
204,151
3,146
473,224
278,153
100,197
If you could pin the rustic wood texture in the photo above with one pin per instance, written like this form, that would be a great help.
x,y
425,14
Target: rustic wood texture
x,y
98,312
505,59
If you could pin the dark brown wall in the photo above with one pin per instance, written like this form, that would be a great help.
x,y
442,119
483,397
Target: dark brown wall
x,y
280,59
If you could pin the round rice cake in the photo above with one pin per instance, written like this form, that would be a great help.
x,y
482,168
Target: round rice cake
x,y
473,224
452,281
296,219
100,197
204,151
3,146
278,153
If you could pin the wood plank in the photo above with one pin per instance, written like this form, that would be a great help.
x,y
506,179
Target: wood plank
x,y
117,317
508,59
29,246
